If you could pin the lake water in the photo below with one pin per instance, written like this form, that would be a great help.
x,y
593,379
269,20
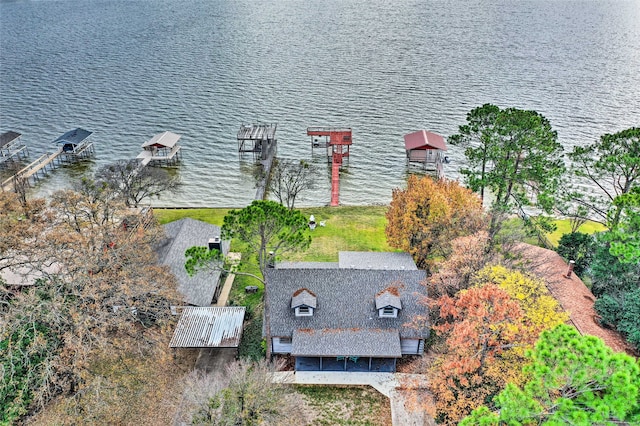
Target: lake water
x,y
127,70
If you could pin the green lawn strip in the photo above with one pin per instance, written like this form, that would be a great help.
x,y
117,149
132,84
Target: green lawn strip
x,y
564,227
213,216
357,228
336,405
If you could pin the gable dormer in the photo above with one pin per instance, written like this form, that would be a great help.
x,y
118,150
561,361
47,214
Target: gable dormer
x,y
388,303
304,302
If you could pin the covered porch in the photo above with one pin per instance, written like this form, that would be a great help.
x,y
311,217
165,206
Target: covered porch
x,y
348,350
346,363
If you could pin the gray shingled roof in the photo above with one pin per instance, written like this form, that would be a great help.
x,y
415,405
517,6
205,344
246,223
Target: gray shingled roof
x,y
349,342
304,297
386,298
345,299
376,260
181,235
306,265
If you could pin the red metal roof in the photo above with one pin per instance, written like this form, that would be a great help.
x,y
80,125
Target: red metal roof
x,y
424,140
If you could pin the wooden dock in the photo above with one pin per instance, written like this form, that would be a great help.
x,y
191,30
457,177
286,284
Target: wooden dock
x,y
31,170
257,138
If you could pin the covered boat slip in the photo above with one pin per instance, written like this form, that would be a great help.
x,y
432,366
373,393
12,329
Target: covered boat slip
x,y
75,143
425,149
346,350
209,327
10,146
258,138
163,147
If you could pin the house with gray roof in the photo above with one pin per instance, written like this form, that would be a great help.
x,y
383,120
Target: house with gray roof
x,y
345,319
202,289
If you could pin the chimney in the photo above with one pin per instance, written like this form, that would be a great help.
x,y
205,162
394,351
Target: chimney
x,y
215,244
271,260
572,263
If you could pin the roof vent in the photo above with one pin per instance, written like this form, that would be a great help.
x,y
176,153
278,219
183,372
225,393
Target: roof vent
x,y
215,243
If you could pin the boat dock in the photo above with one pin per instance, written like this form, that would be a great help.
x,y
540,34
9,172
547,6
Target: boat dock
x,y
260,140
162,148
426,150
72,146
11,148
338,142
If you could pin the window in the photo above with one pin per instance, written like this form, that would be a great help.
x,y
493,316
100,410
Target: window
x,y
285,340
304,311
388,311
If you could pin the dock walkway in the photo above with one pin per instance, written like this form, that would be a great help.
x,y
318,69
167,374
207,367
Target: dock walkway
x,y
32,169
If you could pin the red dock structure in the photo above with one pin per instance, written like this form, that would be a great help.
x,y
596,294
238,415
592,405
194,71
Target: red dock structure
x,y
426,149
337,141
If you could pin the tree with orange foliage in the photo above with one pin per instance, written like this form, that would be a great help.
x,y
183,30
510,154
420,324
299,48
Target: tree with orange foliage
x,y
482,327
541,310
425,217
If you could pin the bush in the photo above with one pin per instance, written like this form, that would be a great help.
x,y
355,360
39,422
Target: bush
x,y
623,313
578,247
609,275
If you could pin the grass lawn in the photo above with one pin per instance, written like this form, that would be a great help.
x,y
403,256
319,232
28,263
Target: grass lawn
x,y
345,405
564,227
359,228
212,216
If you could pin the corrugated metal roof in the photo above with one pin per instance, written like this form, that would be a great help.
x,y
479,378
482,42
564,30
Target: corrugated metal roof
x,y
209,327
167,139
8,137
346,342
73,137
424,140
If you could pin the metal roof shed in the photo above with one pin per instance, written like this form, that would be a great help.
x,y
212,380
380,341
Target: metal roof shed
x,y
209,327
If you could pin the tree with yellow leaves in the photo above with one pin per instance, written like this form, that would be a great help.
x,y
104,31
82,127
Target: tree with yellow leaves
x,y
541,310
425,217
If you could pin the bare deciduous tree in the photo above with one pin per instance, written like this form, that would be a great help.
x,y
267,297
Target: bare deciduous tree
x,y
289,178
106,293
134,183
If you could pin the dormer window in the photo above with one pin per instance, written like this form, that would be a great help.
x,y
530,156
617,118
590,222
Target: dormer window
x,y
389,312
303,302
388,303
304,311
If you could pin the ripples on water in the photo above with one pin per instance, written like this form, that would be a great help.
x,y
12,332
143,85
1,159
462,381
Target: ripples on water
x,y
127,70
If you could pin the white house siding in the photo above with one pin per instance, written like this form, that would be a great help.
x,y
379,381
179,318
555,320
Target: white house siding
x,y
281,348
411,346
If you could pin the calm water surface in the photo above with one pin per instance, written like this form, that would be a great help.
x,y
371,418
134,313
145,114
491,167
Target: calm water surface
x,y
127,70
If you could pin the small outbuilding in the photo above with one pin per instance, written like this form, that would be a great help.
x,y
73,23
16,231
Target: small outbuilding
x,y
426,149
